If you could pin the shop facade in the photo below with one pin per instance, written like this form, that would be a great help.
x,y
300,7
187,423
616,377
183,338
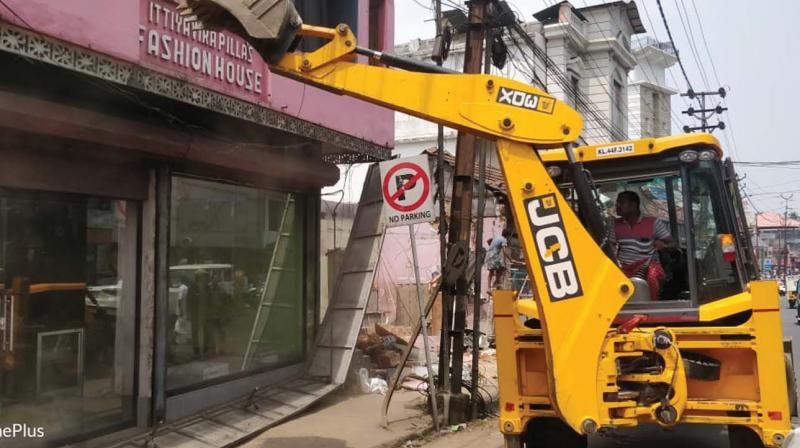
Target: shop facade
x,y
159,212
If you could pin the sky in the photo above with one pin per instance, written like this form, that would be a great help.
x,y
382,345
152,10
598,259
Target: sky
x,y
754,48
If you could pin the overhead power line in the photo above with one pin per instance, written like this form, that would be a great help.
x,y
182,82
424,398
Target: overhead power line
x,y
705,43
531,72
774,164
676,119
584,104
672,42
687,30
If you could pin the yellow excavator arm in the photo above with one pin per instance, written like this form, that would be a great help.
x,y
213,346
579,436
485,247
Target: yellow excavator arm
x,y
578,289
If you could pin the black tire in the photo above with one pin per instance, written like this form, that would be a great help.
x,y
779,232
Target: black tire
x,y
743,437
791,384
552,432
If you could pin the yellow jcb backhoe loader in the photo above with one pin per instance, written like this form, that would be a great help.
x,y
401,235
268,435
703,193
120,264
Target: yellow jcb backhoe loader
x,y
589,352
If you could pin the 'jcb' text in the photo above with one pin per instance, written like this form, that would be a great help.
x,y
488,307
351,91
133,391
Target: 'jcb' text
x,y
553,248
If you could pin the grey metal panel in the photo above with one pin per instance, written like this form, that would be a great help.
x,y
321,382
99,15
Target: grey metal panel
x,y
268,406
161,269
360,255
213,433
313,388
190,403
241,418
351,289
370,222
245,421
336,336
341,332
175,440
295,398
331,362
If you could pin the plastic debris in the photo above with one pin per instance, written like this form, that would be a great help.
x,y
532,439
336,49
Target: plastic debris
x,y
371,385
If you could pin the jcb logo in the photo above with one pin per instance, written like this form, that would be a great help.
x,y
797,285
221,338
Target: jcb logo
x,y
525,100
553,248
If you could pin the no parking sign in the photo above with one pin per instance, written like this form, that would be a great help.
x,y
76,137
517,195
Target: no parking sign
x,y
407,191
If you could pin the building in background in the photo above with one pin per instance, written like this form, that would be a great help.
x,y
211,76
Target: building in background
x,y
777,242
158,182
649,95
583,58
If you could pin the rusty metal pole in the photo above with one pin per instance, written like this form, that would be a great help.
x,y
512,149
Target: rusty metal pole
x,y
461,213
446,301
484,146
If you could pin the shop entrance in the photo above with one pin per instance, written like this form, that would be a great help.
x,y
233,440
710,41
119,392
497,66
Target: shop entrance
x,y
67,311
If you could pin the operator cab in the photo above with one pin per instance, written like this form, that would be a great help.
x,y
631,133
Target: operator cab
x,y
690,209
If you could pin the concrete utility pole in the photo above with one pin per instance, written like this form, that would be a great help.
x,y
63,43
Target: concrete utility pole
x,y
447,298
703,114
759,261
461,216
785,252
484,146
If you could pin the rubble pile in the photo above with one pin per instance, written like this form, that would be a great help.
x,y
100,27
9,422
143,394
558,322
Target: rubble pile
x,y
378,353
383,344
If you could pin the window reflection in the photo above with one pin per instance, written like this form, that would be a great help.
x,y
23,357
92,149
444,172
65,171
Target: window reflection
x,y
67,311
236,293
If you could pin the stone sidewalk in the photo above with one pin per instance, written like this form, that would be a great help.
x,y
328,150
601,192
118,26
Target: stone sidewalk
x,y
351,421
347,420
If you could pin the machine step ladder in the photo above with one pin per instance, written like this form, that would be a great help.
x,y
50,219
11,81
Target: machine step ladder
x,y
336,336
275,270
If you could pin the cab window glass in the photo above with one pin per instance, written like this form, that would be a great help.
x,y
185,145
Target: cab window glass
x,y
661,200
717,277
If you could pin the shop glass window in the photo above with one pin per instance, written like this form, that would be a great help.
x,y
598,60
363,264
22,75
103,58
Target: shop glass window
x,y
67,311
236,296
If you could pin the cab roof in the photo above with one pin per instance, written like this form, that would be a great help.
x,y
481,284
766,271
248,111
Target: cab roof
x,y
633,148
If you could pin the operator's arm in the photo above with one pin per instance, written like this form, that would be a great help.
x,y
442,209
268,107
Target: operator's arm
x,y
663,239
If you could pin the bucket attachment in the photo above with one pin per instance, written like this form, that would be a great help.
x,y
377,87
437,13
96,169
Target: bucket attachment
x,y
271,26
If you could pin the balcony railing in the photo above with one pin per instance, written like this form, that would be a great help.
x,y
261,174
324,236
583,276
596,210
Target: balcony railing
x,y
641,42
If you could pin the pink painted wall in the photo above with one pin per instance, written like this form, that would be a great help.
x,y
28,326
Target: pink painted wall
x,y
134,31
396,252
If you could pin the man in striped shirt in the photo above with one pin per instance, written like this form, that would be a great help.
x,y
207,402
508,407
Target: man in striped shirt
x,y
638,239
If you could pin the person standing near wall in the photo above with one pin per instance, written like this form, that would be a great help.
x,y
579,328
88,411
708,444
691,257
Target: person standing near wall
x,y
498,259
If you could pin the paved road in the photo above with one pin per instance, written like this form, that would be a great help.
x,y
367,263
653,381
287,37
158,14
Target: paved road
x,y
487,436
791,330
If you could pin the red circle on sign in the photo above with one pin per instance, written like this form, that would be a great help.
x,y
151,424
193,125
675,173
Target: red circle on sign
x,y
419,174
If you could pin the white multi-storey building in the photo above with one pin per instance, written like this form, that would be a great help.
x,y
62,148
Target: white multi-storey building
x,y
649,95
588,58
595,58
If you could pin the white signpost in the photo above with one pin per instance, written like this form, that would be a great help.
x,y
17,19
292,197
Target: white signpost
x,y
408,200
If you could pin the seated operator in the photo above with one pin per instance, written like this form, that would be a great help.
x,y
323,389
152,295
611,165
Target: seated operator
x,y
638,238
